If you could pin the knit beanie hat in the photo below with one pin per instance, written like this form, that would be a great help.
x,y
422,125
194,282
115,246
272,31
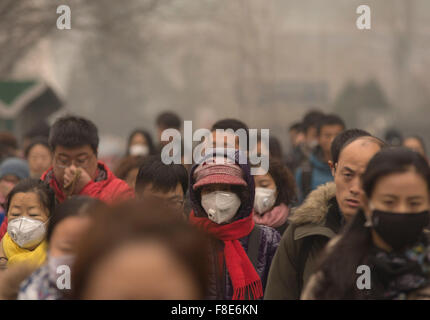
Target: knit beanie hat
x,y
16,166
218,170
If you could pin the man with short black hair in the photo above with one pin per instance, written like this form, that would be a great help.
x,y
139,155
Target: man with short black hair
x,y
316,171
167,183
328,128
232,124
167,120
310,123
302,151
296,134
76,170
297,139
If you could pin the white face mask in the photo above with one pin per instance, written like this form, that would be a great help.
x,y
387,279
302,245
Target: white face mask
x,y
313,144
139,150
55,262
221,206
26,232
264,199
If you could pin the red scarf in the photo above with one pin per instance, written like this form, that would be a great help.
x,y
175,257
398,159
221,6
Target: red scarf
x,y
241,271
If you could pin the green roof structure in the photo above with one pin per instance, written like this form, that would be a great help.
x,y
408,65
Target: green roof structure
x,y
15,95
24,103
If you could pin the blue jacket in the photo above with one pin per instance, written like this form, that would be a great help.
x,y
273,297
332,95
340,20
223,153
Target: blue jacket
x,y
321,174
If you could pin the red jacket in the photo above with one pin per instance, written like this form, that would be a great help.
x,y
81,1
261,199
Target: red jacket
x,y
105,187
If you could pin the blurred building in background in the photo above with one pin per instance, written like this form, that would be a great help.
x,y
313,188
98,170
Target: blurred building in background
x,y
264,61
24,104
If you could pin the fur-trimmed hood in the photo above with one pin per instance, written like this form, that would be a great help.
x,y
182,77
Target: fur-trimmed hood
x,y
315,208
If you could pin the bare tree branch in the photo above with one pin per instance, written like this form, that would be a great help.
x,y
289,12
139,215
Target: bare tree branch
x,y
24,23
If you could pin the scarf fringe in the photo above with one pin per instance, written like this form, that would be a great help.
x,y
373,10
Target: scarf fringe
x,y
244,277
256,288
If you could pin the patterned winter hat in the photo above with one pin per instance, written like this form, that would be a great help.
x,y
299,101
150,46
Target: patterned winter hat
x,y
223,172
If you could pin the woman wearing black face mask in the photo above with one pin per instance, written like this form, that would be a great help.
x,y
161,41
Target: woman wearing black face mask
x,y
388,236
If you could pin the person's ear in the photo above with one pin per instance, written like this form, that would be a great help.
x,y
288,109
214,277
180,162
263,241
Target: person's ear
x,y
332,167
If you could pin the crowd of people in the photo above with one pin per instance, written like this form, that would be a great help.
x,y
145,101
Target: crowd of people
x,y
339,199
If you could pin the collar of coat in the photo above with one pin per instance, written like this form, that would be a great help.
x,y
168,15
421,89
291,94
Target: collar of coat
x,y
103,174
310,217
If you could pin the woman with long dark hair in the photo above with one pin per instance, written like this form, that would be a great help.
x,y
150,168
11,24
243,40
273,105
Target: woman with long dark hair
x,y
275,192
387,238
140,143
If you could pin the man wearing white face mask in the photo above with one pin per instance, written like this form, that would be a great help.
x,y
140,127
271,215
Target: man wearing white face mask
x,y
222,196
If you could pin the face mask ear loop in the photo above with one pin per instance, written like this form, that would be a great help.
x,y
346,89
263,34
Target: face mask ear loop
x,y
45,224
368,223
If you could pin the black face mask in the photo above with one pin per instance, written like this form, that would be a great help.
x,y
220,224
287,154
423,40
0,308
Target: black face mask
x,y
399,229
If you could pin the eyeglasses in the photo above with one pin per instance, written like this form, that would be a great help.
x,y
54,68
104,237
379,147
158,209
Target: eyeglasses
x,y
79,163
174,203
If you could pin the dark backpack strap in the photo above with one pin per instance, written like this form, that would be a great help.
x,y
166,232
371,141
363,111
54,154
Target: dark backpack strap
x,y
253,250
306,178
254,245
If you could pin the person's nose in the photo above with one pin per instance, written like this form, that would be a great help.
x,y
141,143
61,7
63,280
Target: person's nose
x,y
355,187
403,207
39,162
